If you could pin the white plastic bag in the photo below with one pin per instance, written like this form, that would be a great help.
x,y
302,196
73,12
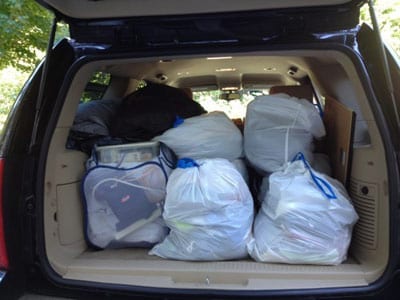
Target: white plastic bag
x,y
306,218
321,164
211,135
209,211
240,165
277,127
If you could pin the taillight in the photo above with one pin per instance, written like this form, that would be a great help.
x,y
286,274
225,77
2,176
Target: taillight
x,y
3,249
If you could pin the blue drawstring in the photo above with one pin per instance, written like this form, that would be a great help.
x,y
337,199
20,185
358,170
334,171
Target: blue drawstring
x,y
185,163
317,180
178,121
321,112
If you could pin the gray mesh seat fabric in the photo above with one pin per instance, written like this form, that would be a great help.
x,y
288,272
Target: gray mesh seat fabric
x,y
123,206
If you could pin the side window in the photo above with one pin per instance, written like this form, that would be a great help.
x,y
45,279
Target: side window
x,y
96,87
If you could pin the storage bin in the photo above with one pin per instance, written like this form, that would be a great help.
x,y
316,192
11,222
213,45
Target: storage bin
x,y
133,152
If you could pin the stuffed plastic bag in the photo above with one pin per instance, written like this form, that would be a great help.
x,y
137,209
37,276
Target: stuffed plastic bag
x,y
211,135
277,127
209,210
306,218
240,165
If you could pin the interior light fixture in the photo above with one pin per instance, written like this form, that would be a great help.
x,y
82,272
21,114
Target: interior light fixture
x,y
230,88
225,70
219,57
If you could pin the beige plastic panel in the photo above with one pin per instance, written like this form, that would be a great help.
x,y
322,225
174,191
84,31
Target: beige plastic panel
x,y
369,167
69,214
134,266
62,212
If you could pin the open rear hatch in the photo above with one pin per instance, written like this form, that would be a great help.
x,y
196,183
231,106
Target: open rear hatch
x,y
127,23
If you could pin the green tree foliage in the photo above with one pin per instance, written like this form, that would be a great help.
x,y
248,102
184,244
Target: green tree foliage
x,y
11,81
24,31
390,22
388,14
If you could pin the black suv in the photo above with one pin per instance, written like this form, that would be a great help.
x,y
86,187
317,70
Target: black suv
x,y
235,48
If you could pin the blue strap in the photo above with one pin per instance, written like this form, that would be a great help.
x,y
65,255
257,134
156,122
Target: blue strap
x,y
321,112
185,163
167,156
322,184
178,121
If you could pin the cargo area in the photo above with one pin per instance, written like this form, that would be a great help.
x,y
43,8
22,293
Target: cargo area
x,y
332,74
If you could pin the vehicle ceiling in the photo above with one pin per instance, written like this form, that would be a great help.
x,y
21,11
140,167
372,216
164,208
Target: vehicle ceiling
x,y
250,71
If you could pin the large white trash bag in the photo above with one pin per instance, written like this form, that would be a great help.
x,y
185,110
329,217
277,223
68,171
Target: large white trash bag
x,y
240,165
277,127
209,210
306,218
211,135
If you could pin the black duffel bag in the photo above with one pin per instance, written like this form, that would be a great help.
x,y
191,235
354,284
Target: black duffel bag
x,y
151,110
